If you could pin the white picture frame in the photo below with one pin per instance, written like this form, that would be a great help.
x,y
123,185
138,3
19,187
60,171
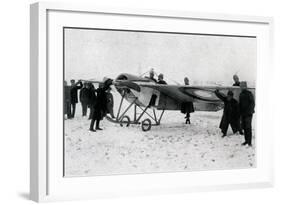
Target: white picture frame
x,y
47,182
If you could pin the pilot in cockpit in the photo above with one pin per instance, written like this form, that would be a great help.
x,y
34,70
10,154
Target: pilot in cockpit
x,y
151,75
161,79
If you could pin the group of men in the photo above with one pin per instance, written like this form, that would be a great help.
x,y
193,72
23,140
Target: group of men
x,y
238,114
71,97
99,101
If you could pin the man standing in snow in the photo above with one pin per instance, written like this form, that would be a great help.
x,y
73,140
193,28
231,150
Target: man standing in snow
x,y
67,104
110,103
84,97
230,113
92,99
187,107
74,95
100,105
247,109
237,83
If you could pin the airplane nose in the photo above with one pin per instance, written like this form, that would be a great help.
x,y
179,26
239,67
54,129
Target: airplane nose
x,y
122,77
128,85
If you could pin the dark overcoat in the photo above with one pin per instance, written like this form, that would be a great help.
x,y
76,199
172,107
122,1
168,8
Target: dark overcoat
x,y
92,96
187,107
67,100
236,84
84,95
74,93
246,103
163,82
67,94
231,114
100,106
110,102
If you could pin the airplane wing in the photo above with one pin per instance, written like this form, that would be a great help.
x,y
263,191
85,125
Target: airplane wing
x,y
194,93
171,97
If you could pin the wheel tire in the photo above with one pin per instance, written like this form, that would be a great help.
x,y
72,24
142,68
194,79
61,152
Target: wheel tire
x,y
125,121
146,125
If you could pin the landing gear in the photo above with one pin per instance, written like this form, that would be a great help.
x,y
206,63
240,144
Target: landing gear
x,y
125,121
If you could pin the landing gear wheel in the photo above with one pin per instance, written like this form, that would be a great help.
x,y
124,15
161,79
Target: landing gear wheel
x,y
125,121
146,125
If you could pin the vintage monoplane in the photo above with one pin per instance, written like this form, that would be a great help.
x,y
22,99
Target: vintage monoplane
x,y
139,92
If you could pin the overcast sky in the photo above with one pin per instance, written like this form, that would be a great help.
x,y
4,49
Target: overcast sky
x,y
94,54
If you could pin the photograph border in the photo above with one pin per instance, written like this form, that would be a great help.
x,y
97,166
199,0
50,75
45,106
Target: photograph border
x,y
39,143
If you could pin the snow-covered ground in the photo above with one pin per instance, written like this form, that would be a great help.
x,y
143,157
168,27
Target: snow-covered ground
x,y
173,146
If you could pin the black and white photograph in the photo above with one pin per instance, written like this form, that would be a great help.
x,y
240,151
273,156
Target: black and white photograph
x,y
139,102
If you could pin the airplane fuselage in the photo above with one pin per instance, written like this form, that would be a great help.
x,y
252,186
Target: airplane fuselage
x,y
141,90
